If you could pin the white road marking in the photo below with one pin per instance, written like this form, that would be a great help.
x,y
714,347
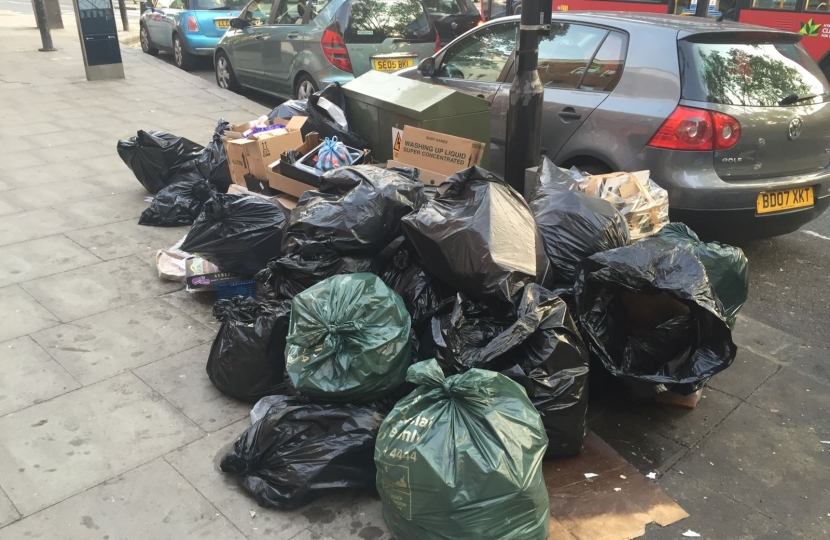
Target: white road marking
x,y
817,235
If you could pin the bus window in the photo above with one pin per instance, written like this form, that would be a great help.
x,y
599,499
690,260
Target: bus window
x,y
564,57
817,5
786,5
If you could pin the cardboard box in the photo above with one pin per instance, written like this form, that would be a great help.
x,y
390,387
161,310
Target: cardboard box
x,y
284,184
427,177
203,275
251,155
439,153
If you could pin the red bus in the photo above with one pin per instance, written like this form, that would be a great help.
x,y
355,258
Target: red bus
x,y
810,18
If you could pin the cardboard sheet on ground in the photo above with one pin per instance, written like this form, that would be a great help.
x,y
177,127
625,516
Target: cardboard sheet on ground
x,y
590,509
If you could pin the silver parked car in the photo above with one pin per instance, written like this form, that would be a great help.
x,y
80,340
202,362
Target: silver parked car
x,y
733,120
292,48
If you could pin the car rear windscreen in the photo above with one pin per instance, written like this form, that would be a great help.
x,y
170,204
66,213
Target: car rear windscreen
x,y
373,21
771,74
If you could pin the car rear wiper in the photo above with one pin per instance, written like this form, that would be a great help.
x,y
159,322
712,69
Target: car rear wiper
x,y
795,98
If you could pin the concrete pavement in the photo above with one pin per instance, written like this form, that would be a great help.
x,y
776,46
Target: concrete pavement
x,y
110,428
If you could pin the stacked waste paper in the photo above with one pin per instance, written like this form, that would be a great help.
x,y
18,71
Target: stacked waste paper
x,y
435,346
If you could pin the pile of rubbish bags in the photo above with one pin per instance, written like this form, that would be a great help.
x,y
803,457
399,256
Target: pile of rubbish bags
x,y
435,346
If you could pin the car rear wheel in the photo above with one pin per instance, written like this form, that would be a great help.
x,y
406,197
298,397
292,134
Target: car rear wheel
x,y
183,59
144,37
305,87
225,77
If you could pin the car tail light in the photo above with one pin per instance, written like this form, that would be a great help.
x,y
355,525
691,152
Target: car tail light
x,y
697,129
335,50
437,42
480,21
192,25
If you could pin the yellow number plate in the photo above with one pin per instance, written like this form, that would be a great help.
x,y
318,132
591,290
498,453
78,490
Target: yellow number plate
x,y
393,64
223,23
786,199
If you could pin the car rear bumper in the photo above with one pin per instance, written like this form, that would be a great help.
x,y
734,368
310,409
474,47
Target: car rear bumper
x,y
201,45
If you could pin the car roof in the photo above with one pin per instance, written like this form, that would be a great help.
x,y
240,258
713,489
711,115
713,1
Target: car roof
x,y
685,25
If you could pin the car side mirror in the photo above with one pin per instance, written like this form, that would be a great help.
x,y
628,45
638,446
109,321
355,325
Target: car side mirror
x,y
149,6
239,24
427,66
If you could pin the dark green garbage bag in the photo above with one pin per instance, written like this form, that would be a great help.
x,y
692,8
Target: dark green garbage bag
x,y
348,339
461,459
726,266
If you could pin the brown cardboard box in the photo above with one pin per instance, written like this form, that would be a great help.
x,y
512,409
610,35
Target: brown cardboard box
x,y
289,185
252,154
238,158
427,177
439,153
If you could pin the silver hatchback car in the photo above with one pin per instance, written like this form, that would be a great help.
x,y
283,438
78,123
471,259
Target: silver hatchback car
x,y
733,120
292,48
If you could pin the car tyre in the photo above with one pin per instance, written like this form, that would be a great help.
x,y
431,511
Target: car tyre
x,y
225,77
184,60
304,87
144,38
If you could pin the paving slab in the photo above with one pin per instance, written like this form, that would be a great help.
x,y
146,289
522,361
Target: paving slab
x,y
747,372
813,362
349,515
25,226
764,339
30,375
796,398
126,238
151,502
777,468
106,209
713,515
57,194
99,287
10,207
197,305
45,173
8,513
58,448
42,257
182,380
22,314
103,345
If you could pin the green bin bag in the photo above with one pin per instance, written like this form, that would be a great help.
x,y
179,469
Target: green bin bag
x,y
348,339
726,266
461,459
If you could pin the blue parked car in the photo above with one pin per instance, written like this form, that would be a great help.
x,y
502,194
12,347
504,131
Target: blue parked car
x,y
187,28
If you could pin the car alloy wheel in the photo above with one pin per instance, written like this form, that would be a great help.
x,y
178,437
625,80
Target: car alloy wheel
x,y
305,89
145,39
223,74
177,51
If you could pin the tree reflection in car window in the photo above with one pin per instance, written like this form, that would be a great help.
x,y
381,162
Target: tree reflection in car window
x,y
373,21
564,57
481,56
753,75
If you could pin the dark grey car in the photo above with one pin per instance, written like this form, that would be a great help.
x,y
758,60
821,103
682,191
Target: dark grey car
x,y
733,120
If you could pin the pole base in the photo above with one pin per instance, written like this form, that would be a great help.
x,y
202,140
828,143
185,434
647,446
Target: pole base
x,y
47,50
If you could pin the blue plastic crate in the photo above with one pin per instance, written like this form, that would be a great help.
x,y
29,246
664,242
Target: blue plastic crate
x,y
246,288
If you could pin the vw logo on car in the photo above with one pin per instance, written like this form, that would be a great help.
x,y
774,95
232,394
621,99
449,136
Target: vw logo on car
x,y
794,129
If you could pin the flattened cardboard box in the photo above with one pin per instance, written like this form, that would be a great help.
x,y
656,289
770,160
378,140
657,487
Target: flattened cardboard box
x,y
439,153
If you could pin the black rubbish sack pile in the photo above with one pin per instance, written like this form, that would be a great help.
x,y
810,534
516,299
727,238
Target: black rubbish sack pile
x,y
650,315
247,359
289,109
479,236
356,212
299,451
212,164
537,345
177,204
286,277
158,158
461,458
238,233
348,340
573,225
726,266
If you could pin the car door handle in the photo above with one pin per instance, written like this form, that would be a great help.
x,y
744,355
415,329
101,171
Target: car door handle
x,y
259,36
293,35
480,96
569,113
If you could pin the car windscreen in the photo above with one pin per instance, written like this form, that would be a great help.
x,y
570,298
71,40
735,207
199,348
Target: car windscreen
x,y
373,21
764,74
450,7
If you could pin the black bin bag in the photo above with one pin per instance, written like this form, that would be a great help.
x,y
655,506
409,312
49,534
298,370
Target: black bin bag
x,y
726,266
289,109
573,225
238,233
247,359
321,121
287,276
537,345
478,235
158,159
213,161
649,315
177,204
299,451
357,212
